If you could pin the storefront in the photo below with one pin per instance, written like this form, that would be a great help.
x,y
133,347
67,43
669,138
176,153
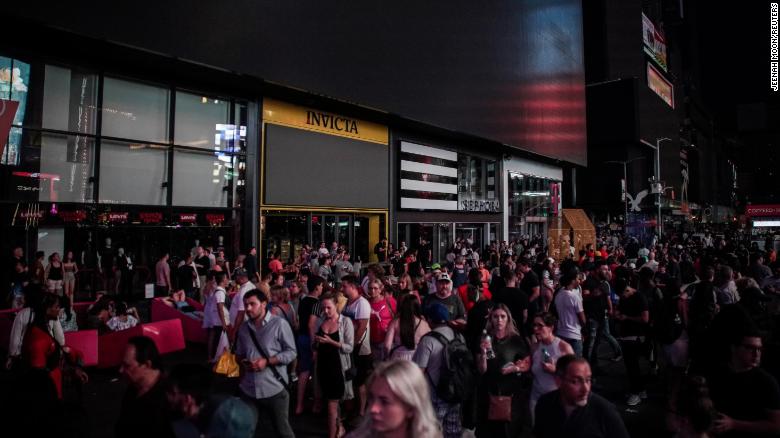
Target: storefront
x,y
446,196
97,161
532,197
764,225
324,178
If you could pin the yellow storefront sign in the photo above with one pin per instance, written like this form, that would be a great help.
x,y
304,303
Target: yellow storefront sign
x,y
286,114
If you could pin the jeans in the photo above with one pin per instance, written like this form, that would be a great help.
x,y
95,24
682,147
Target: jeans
x,y
632,351
576,345
598,330
277,409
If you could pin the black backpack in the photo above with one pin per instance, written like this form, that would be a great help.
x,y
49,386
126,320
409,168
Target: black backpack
x,y
457,375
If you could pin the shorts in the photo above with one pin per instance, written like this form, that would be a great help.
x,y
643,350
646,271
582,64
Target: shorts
x,y
365,366
305,356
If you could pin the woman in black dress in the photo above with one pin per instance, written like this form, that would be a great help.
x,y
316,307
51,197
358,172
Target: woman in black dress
x,y
334,341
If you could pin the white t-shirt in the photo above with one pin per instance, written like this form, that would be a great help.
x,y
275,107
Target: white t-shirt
x,y
569,304
360,309
211,310
238,300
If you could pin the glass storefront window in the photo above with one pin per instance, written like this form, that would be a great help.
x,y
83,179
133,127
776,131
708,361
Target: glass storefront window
x,y
202,179
69,100
133,110
202,122
132,173
477,189
531,204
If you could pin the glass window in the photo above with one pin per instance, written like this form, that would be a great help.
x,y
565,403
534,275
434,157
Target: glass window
x,y
202,122
132,173
202,179
67,161
14,85
135,111
69,100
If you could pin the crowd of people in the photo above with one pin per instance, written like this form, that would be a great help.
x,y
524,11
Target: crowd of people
x,y
502,340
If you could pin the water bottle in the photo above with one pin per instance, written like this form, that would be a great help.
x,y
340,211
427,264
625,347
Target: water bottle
x,y
546,356
489,353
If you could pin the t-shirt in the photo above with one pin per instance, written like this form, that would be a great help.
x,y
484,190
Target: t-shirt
x,y
529,282
144,415
358,310
211,310
237,304
453,304
184,276
205,265
516,300
598,418
463,293
632,306
744,396
459,276
382,313
275,266
163,273
568,303
307,307
429,353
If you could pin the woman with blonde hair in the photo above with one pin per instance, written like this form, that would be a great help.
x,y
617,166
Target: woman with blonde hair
x,y
399,404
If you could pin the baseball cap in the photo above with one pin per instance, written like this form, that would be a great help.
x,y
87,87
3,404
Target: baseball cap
x,y
444,277
435,266
233,418
437,313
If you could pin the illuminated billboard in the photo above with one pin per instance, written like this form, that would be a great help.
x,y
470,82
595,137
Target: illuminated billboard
x,y
663,88
511,72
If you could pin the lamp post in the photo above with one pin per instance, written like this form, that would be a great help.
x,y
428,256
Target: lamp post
x,y
625,181
660,189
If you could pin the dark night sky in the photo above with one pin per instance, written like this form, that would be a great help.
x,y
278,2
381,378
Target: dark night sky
x,y
735,75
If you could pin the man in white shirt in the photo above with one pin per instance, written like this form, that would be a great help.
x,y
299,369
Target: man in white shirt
x,y
237,304
571,314
215,315
359,310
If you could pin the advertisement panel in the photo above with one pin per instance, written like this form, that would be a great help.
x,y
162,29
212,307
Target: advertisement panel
x,y
654,43
663,88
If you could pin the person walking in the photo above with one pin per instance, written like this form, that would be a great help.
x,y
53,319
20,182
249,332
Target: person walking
x,y
334,340
265,346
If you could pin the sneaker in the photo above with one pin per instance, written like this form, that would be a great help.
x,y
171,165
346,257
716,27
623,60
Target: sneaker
x,y
633,400
643,395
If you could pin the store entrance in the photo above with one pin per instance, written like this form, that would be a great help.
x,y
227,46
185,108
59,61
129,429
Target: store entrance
x,y
286,232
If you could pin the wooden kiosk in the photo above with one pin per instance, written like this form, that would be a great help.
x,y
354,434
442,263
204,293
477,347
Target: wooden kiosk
x,y
574,226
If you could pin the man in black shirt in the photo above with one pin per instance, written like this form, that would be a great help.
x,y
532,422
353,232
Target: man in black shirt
x,y
185,276
746,396
573,410
633,317
514,298
530,285
144,402
202,264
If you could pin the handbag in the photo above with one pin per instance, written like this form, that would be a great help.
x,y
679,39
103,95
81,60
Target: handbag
x,y
500,407
227,364
351,372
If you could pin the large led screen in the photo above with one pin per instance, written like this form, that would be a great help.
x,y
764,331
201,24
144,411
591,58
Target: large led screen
x,y
506,71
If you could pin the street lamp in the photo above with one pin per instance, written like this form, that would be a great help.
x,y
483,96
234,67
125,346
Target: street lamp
x,y
659,225
625,181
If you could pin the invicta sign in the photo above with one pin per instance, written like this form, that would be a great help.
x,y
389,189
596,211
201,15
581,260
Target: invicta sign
x,y
329,121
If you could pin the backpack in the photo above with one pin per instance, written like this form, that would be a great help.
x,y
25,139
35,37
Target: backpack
x,y
457,375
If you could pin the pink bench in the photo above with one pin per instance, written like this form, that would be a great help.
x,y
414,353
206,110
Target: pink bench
x,y
168,336
85,341
192,327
